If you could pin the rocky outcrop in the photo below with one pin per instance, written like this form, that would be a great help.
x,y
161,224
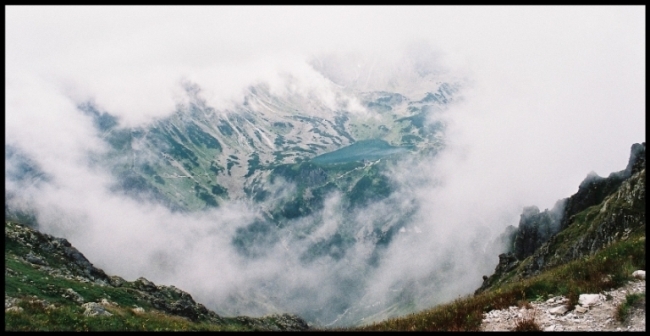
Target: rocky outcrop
x,y
58,250
57,258
594,188
174,301
535,228
603,210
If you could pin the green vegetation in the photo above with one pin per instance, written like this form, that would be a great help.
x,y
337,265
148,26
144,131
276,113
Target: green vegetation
x,y
631,300
48,295
527,324
35,317
586,275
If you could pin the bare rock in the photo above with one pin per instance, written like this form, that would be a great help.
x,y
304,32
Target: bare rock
x,y
560,310
95,309
581,309
587,300
34,259
14,310
72,295
639,274
116,281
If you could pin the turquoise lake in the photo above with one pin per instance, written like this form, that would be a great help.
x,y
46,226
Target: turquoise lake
x,y
371,150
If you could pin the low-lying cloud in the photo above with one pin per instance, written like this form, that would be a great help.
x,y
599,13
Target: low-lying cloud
x,y
549,94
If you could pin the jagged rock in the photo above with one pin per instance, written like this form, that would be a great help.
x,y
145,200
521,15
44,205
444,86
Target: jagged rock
x,y
639,274
54,247
507,262
95,309
289,322
620,211
535,228
73,266
145,285
637,159
116,281
34,259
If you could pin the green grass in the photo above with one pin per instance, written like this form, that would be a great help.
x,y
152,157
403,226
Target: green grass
x,y
631,300
39,283
35,317
572,279
36,289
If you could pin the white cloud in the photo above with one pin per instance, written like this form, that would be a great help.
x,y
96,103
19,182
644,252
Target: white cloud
x,y
553,93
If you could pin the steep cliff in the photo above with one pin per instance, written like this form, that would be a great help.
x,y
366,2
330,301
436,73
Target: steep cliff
x,y
604,210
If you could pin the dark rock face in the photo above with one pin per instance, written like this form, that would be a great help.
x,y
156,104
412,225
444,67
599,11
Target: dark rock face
x,y
637,159
607,208
594,188
535,228
612,223
174,301
58,248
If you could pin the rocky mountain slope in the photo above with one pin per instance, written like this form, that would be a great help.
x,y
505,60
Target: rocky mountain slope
x,y
199,156
596,312
50,285
603,211
578,266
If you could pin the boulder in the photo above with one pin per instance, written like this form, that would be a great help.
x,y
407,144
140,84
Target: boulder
x,y
560,310
95,309
72,295
581,309
587,300
116,281
639,274
34,259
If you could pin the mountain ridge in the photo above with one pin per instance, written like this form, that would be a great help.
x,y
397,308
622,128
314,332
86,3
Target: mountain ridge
x,y
79,290
577,226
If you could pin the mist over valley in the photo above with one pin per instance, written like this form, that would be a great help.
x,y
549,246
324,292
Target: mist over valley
x,y
366,176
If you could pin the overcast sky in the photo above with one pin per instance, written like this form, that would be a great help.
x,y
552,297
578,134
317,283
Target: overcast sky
x,y
566,69
551,94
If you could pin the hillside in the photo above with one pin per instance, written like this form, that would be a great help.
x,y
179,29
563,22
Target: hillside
x,y
306,178
599,240
50,285
199,157
590,243
603,211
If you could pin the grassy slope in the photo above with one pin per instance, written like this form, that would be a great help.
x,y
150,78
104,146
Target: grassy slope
x,y
609,267
45,307
580,276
